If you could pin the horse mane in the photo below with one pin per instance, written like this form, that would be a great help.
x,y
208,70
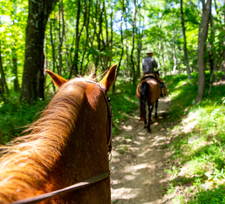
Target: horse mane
x,y
26,161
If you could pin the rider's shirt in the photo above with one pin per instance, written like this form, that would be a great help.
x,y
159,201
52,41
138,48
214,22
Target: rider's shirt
x,y
148,65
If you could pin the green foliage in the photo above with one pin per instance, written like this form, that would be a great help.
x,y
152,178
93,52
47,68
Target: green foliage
x,y
214,196
123,103
14,116
197,158
12,30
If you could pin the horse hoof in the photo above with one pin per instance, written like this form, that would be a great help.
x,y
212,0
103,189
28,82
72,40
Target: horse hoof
x,y
149,130
145,126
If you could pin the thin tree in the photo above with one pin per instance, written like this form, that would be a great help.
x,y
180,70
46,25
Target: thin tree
x,y
61,36
185,42
122,44
202,36
74,68
223,63
33,73
87,37
139,41
53,49
111,41
99,42
14,56
14,69
133,42
3,85
1,137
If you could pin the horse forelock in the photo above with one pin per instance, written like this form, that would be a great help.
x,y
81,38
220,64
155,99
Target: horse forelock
x,y
28,159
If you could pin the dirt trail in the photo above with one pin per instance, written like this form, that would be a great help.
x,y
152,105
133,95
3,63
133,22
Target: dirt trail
x,y
139,159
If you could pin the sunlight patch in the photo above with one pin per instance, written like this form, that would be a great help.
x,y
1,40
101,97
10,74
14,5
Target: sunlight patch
x,y
125,193
129,127
129,177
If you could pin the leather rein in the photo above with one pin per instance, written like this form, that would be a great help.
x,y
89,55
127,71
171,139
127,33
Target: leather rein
x,y
82,184
107,100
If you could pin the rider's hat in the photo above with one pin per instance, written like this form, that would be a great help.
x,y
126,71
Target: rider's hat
x,y
149,51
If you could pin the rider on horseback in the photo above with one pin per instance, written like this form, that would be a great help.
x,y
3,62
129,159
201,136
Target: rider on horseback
x,y
148,65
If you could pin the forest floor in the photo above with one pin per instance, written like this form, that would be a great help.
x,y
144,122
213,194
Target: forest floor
x,y
139,160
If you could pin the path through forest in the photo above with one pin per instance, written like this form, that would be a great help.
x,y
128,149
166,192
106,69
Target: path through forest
x,y
139,160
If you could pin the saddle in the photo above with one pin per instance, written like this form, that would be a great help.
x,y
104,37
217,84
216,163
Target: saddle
x,y
147,76
156,77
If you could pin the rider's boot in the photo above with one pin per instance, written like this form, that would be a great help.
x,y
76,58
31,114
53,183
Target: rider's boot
x,y
162,89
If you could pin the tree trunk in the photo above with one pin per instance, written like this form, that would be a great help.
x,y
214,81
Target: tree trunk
x,y
223,63
99,38
133,36
33,73
127,48
14,69
105,40
61,36
122,46
87,37
74,67
1,137
174,58
139,46
202,36
211,46
162,59
108,57
3,85
53,50
185,43
111,41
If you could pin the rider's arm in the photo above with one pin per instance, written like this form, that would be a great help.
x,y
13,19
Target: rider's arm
x,y
154,63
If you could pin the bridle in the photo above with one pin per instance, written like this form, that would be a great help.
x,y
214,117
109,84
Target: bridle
x,y
107,100
87,182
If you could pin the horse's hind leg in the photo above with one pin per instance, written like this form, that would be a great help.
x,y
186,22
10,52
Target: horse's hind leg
x,y
150,107
145,123
156,107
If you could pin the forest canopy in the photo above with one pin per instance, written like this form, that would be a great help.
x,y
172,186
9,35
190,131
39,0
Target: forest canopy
x,y
72,37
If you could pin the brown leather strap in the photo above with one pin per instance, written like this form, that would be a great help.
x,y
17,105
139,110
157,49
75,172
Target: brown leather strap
x,y
109,115
85,183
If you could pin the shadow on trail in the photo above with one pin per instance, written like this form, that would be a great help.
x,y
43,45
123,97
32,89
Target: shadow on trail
x,y
139,160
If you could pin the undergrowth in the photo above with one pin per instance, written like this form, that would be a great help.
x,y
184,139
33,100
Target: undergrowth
x,y
123,103
197,142
16,116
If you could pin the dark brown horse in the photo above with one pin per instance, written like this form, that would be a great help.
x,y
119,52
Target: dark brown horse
x,y
148,90
68,144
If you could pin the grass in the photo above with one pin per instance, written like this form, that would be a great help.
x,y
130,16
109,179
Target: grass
x,y
123,103
14,116
197,154
214,196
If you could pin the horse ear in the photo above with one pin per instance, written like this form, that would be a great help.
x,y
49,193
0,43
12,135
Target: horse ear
x,y
109,78
58,80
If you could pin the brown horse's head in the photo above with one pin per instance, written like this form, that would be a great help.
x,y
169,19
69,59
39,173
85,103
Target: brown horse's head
x,y
66,145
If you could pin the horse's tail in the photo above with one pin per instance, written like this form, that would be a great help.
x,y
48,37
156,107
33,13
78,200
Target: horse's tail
x,y
143,97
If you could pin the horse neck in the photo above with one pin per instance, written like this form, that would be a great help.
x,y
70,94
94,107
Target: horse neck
x,y
67,144
85,154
